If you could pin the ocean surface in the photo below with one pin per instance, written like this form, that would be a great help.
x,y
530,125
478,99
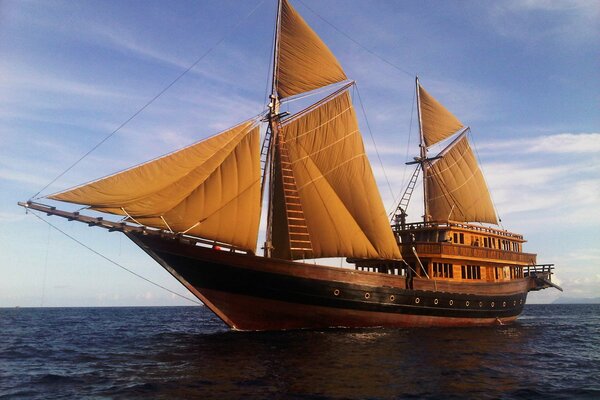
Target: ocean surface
x,y
552,352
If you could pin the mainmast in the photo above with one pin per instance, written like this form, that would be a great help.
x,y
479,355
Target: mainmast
x,y
273,132
423,153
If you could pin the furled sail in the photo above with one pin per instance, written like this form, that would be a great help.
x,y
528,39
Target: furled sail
x,y
305,63
209,189
456,188
437,122
334,187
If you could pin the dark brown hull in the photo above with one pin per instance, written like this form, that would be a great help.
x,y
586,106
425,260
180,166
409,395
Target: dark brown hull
x,y
256,293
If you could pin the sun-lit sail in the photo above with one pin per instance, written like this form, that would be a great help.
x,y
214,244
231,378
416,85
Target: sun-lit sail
x,y
437,123
336,190
456,188
209,189
325,200
304,62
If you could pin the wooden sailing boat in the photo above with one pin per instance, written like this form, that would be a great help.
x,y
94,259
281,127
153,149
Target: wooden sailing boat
x,y
197,212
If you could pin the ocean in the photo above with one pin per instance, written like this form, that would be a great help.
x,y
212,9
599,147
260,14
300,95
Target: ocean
x,y
551,352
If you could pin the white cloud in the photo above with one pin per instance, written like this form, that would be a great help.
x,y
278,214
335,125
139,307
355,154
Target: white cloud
x,y
560,143
533,20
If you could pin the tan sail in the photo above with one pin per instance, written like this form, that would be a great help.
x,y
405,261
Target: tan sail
x,y
339,199
456,188
305,63
437,122
209,189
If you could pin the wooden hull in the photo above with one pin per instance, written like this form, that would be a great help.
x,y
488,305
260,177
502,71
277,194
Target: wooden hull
x,y
256,293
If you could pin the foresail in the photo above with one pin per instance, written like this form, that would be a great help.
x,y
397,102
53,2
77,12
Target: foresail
x,y
437,122
336,191
210,189
456,188
304,62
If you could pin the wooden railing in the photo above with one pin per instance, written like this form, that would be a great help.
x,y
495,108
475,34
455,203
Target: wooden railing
x,y
454,250
459,225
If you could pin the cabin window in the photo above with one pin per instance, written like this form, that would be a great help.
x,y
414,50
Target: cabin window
x,y
462,238
442,237
442,270
471,271
497,274
486,242
456,238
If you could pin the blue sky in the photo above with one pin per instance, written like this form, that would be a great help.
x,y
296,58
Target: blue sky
x,y
523,74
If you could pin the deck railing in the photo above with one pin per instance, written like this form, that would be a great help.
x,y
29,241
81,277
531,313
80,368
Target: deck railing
x,y
530,270
448,249
459,225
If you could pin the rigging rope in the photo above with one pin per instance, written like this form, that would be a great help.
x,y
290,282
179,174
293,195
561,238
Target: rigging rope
x,y
152,100
410,125
374,144
358,43
112,261
481,168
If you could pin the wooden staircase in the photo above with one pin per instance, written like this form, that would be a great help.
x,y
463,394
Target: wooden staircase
x,y
300,244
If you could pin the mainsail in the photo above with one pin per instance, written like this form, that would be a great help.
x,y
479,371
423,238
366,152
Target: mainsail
x,y
304,62
337,197
324,200
209,189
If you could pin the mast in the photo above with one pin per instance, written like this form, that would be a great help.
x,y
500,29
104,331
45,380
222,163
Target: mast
x,y
423,153
273,131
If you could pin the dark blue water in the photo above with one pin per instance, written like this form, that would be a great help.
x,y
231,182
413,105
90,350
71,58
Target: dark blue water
x,y
553,351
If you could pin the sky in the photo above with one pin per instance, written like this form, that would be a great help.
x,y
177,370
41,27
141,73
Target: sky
x,y
522,74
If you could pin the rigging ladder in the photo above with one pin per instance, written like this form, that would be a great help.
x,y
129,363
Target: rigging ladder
x,y
300,244
403,204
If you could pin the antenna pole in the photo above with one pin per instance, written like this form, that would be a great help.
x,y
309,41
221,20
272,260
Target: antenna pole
x,y
423,154
273,119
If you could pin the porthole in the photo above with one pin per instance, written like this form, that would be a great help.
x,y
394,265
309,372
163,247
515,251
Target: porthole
x,y
514,303
467,303
336,292
392,297
451,302
521,301
435,301
493,304
481,304
417,300
503,304
367,295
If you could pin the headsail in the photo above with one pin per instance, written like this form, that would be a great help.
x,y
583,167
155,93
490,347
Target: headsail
x,y
304,62
209,189
335,187
437,123
456,188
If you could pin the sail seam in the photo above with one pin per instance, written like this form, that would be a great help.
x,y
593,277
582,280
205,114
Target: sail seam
x,y
324,123
326,147
323,175
458,187
250,186
359,229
